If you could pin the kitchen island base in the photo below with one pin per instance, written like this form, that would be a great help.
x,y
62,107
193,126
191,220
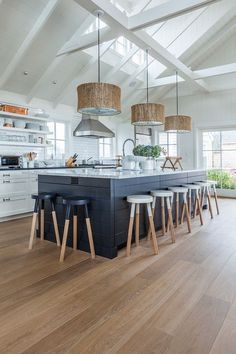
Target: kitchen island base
x,y
108,210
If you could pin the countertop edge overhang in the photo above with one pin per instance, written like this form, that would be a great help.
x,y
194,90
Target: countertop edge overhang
x,y
114,174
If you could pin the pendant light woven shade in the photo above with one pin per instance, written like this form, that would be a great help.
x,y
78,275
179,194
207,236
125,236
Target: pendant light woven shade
x,y
147,114
178,123
98,98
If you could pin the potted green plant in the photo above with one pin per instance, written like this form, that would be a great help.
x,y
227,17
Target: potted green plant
x,y
151,154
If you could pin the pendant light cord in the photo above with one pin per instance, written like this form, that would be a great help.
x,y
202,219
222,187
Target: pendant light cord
x,y
99,66
147,72
177,93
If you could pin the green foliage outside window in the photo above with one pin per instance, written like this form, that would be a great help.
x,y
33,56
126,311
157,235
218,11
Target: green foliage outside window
x,y
225,180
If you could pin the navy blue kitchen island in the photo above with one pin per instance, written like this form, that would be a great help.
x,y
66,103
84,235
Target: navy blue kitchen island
x,y
108,210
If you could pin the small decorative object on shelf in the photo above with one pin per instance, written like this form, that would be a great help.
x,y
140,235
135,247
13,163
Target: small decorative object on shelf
x,y
172,163
13,109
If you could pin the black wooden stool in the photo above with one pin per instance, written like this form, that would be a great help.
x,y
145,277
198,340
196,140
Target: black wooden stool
x,y
75,202
39,206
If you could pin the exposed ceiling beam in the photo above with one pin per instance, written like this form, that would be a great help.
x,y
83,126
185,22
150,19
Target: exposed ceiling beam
x,y
197,74
165,12
85,25
42,19
89,40
118,21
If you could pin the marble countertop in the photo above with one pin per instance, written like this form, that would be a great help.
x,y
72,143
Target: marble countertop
x,y
111,173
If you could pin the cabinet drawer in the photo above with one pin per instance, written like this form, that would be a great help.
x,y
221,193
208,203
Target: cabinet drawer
x,y
13,174
13,204
13,186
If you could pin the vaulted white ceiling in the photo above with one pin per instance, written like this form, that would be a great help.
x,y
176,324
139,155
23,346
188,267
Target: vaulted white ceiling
x,y
54,41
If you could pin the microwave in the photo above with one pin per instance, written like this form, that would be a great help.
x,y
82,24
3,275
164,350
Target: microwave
x,y
10,161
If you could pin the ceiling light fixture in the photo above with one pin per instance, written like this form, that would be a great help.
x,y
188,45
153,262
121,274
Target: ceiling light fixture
x,y
178,123
98,98
147,114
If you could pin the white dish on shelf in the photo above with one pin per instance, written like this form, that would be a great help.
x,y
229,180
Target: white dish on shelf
x,y
20,124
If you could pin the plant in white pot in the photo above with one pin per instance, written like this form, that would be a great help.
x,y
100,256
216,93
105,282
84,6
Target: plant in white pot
x,y
151,154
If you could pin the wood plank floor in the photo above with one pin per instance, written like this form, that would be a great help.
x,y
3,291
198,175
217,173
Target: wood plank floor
x,y
181,301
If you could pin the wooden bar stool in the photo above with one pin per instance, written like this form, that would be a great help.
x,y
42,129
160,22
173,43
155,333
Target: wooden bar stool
x,y
185,212
205,191
166,198
75,202
195,190
39,208
135,201
213,185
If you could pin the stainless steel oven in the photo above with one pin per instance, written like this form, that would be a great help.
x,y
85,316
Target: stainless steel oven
x,y
10,161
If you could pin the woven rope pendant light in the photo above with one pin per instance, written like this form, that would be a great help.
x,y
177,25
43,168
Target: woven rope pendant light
x,y
148,114
99,98
178,123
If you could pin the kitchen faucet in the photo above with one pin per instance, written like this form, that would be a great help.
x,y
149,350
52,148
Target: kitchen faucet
x,y
123,148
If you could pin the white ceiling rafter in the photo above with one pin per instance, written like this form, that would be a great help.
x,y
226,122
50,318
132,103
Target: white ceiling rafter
x,y
115,19
41,21
197,74
165,12
89,40
83,27
73,80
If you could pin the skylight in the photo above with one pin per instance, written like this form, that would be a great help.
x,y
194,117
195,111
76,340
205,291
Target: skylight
x,y
94,26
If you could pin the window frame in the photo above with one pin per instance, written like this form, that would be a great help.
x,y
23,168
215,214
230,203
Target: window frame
x,y
102,143
54,139
168,144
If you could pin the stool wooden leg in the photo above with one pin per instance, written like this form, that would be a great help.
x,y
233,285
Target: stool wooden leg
x,y
153,212
90,234
152,227
55,224
42,221
90,237
163,216
177,210
137,221
65,234
216,200
187,214
75,228
199,208
190,203
209,202
130,230
170,219
203,192
33,225
183,213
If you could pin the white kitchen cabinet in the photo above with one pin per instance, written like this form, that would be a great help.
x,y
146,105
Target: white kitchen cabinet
x,y
13,204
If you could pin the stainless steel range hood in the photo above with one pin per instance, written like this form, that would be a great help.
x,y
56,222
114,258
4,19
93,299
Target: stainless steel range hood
x,y
91,127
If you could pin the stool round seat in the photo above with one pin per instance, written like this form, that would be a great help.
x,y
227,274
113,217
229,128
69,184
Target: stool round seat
x,y
75,201
211,182
43,196
178,189
162,193
192,186
203,184
139,199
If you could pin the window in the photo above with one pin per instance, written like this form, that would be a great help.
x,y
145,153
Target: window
x,y
168,141
143,135
122,46
105,147
219,156
56,148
